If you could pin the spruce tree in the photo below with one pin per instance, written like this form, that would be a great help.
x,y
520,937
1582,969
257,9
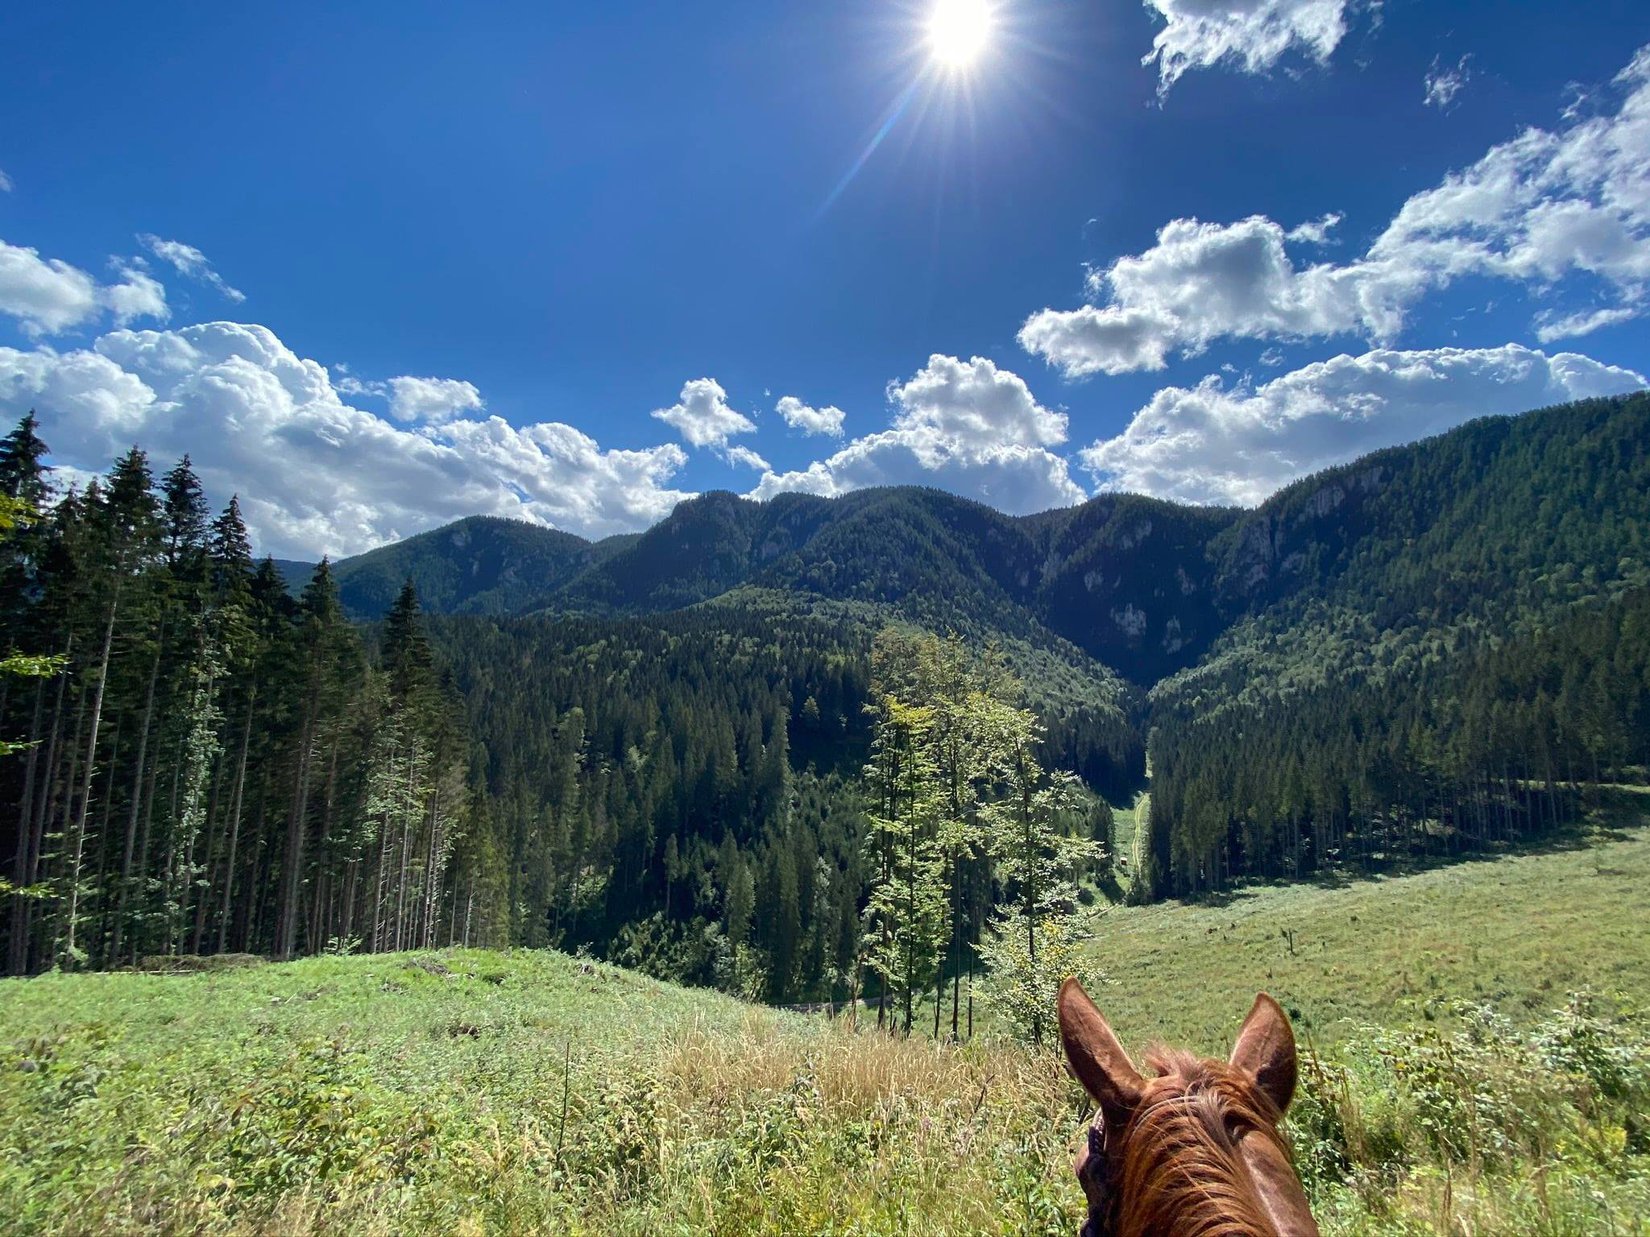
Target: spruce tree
x,y
184,518
22,470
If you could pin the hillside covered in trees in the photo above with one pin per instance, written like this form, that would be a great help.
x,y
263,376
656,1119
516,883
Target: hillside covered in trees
x,y
664,748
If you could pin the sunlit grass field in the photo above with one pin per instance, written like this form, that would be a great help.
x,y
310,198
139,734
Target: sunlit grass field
x,y
1516,932
471,1092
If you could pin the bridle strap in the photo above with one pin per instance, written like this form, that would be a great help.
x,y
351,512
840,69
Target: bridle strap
x,y
1102,1182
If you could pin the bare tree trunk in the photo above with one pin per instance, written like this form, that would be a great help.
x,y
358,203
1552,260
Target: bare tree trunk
x,y
406,845
235,820
145,836
320,916
42,814
70,944
286,932
204,898
432,884
469,908
103,831
137,799
27,844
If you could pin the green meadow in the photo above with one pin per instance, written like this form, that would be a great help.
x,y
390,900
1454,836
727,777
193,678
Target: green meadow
x,y
1455,1084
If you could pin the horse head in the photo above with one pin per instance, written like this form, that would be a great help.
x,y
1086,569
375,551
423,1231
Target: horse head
x,y
1195,1150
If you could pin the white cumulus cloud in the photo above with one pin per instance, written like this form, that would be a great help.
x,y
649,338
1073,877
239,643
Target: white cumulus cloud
x,y
315,474
744,457
1214,444
5,182
190,262
964,426
1541,208
1252,35
432,399
138,294
702,415
45,294
800,416
48,296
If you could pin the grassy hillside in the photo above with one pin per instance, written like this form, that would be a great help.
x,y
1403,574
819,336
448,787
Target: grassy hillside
x,y
1516,932
469,1092
476,1092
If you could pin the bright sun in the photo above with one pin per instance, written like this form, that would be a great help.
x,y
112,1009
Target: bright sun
x,y
959,31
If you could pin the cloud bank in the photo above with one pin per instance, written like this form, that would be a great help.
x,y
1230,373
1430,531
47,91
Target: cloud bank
x,y
1567,204
1250,35
1214,444
965,426
316,474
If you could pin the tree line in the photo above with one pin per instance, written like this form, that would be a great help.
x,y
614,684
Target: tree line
x,y
975,849
206,763
765,795
1481,744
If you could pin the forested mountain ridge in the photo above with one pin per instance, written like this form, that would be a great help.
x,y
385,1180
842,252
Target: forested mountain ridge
x,y
628,746
1125,578
1346,711
478,565
1147,587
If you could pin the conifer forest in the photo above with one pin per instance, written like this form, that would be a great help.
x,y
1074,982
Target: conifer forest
x,y
810,749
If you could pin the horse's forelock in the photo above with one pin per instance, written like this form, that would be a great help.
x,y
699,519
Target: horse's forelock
x,y
1182,1169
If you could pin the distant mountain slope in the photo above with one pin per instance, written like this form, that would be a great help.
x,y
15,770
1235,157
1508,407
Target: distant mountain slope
x,y
1474,534
1549,504
1125,579
481,565
478,565
1129,580
294,573
1372,680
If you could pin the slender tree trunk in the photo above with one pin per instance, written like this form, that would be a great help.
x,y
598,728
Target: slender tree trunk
x,y
23,867
956,941
405,847
320,910
429,870
286,932
469,908
51,781
77,860
145,836
206,888
137,798
235,819
100,882
251,907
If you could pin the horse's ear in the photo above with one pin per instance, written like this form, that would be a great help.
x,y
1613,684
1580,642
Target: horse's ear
x,y
1265,1048
1096,1057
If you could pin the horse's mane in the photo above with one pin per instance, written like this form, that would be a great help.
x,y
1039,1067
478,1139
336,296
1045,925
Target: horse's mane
x,y
1181,1170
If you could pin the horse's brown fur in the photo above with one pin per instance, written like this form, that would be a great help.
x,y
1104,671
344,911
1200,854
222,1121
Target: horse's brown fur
x,y
1196,1150
1181,1169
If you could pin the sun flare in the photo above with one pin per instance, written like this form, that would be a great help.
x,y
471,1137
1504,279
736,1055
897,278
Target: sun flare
x,y
959,31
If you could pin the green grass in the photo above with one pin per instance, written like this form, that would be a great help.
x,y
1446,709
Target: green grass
x,y
1130,832
1517,932
471,1092
482,1092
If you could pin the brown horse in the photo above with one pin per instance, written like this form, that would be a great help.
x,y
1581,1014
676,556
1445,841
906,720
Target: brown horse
x,y
1195,1151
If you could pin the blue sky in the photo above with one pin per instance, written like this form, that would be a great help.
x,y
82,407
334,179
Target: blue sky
x,y
572,263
